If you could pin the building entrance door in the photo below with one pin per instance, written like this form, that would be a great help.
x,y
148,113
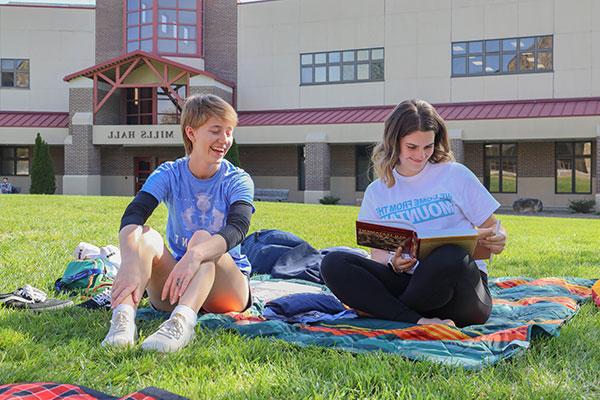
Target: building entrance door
x,y
143,168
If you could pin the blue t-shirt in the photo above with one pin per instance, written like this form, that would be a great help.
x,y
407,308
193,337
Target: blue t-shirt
x,y
199,204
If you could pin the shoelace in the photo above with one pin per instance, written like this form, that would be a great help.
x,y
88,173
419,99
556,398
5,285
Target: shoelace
x,y
119,322
102,298
31,294
172,328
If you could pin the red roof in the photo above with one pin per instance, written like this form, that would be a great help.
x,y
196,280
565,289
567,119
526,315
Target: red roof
x,y
88,72
24,119
576,107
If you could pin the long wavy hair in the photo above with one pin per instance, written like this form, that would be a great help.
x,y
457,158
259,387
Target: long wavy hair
x,y
408,117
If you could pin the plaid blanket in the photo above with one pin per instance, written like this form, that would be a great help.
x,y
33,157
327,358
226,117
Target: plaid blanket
x,y
524,308
55,391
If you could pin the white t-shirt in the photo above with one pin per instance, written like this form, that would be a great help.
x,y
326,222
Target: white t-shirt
x,y
442,196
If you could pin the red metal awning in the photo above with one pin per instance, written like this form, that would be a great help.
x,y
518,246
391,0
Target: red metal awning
x,y
107,65
576,107
25,119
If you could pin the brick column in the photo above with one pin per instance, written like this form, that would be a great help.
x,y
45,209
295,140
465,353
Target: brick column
x,y
109,29
220,38
82,158
317,165
456,144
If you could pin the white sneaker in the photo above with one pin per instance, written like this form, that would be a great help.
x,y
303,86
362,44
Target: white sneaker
x,y
174,334
122,332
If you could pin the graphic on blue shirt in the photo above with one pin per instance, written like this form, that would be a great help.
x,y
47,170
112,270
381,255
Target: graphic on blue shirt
x,y
419,210
199,204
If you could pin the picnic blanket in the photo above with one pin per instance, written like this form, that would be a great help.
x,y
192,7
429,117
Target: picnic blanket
x,y
524,309
55,391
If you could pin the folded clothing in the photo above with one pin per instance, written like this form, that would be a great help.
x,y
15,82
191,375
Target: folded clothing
x,y
32,299
307,308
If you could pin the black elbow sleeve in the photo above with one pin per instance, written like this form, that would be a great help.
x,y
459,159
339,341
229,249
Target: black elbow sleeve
x,y
139,210
237,224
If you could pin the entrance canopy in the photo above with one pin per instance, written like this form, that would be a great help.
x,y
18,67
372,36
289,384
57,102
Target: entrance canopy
x,y
139,69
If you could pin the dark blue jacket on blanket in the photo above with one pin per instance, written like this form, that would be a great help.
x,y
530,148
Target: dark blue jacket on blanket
x,y
286,256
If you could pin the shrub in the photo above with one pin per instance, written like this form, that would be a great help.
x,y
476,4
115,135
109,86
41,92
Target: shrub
x,y
329,200
233,155
582,206
43,180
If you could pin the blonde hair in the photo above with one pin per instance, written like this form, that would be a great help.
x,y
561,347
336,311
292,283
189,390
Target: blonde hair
x,y
200,108
408,117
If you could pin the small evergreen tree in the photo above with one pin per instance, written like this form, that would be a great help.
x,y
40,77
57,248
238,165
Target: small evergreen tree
x,y
43,180
233,155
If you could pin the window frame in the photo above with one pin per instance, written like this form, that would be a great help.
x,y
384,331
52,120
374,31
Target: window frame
x,y
199,26
15,159
573,157
14,72
537,50
301,167
153,99
358,151
355,63
500,157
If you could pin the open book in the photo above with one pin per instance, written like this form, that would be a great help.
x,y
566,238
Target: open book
x,y
389,235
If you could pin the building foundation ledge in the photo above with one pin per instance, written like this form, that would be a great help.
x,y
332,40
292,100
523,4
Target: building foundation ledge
x,y
313,196
82,185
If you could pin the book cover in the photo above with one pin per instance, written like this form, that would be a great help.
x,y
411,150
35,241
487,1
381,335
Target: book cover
x,y
390,236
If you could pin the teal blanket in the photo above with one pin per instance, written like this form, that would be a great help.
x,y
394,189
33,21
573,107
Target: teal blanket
x,y
524,308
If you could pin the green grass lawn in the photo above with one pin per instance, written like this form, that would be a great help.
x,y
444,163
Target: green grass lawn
x,y
38,234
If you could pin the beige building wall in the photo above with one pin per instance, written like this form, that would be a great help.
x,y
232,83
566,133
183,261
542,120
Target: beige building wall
x,y
472,130
57,41
417,37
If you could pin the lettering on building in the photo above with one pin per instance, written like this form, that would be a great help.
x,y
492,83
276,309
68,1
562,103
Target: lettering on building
x,y
143,134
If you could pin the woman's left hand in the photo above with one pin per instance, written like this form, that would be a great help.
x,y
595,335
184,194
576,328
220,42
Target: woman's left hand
x,y
495,241
179,279
400,263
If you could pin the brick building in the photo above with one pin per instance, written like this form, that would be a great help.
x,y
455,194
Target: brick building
x,y
517,80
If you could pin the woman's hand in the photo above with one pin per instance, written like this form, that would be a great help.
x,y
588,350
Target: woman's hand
x,y
128,282
489,238
179,279
428,321
402,262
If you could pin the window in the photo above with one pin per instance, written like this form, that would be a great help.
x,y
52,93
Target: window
x,y
573,167
147,106
342,66
166,108
15,73
168,27
500,162
140,25
364,168
139,106
502,56
14,161
301,168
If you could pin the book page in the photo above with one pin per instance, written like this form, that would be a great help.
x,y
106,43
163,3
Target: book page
x,y
427,245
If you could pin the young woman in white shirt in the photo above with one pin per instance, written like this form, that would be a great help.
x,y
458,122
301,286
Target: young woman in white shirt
x,y
420,182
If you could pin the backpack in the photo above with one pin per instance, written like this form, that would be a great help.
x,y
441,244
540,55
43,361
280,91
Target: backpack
x,y
83,275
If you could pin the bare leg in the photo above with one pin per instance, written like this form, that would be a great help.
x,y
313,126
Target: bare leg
x,y
219,287
141,249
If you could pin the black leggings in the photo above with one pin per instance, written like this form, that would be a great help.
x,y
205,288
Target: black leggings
x,y
446,284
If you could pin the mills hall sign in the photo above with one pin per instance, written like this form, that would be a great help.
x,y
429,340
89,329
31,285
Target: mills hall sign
x,y
137,135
